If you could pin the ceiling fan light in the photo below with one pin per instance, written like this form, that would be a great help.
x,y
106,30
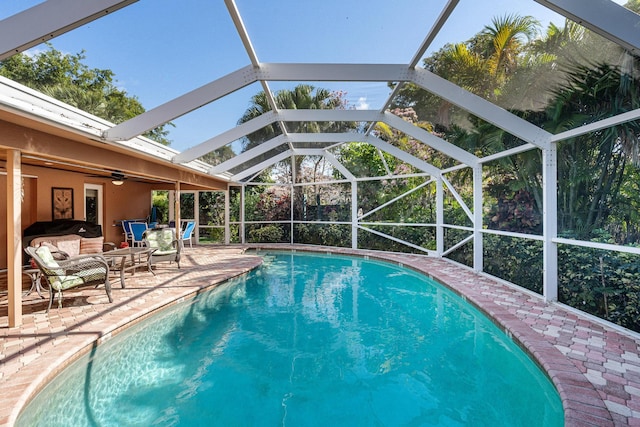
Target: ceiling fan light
x,y
117,182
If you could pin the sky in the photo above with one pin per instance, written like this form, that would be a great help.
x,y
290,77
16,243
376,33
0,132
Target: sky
x,y
160,49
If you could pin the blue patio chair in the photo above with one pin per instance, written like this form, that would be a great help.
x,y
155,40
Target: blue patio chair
x,y
128,237
187,233
137,233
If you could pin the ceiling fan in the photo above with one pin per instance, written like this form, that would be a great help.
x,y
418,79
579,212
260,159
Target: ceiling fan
x,y
117,178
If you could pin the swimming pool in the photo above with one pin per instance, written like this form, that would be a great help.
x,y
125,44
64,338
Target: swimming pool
x,y
307,340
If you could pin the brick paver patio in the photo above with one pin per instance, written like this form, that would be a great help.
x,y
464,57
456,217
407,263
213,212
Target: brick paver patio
x,y
595,368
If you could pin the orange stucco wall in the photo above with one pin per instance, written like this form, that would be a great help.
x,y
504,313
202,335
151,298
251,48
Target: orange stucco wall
x,y
131,200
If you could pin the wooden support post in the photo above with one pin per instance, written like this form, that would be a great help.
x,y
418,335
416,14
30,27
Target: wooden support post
x,y
14,237
176,208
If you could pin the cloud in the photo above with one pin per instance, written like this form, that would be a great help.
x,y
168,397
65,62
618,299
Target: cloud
x,y
362,103
34,51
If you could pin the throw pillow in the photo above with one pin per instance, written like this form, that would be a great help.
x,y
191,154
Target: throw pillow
x,y
91,245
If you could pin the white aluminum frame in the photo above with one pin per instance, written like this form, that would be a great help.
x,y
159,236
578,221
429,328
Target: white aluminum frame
x,y
54,17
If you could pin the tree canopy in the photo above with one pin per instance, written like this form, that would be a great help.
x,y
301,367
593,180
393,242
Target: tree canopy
x,y
66,78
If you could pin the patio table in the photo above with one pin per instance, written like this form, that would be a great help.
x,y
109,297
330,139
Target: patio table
x,y
130,259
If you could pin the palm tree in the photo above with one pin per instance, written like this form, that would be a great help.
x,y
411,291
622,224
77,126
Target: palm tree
x,y
505,40
303,96
592,166
484,64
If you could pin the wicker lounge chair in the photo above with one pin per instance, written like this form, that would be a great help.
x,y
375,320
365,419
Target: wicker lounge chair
x,y
70,273
167,247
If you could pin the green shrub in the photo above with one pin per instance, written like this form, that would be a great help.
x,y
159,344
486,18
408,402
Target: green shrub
x,y
513,259
266,234
603,283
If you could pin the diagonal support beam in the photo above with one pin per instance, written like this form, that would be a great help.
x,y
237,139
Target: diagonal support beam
x,y
225,138
246,76
181,105
402,155
329,72
50,19
604,17
431,140
249,154
339,166
261,166
272,117
482,108
325,115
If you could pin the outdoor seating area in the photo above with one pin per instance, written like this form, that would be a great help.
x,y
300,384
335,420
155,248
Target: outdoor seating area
x,y
70,261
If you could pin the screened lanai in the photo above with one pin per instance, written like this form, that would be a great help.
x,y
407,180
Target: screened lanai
x,y
450,128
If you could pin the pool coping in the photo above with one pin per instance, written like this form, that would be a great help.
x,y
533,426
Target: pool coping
x,y
595,368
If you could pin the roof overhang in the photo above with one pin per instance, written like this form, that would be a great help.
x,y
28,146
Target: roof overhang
x,y
76,141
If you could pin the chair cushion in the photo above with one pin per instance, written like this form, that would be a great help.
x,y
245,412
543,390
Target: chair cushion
x,y
46,256
55,251
60,283
50,263
161,252
161,239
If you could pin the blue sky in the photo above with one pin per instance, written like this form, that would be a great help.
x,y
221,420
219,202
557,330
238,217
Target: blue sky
x,y
160,49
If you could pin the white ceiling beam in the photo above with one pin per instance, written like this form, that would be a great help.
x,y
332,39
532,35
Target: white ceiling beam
x,y
272,117
604,17
249,154
225,138
323,138
320,137
325,115
329,72
308,152
261,166
182,105
333,72
242,31
248,46
507,153
430,139
47,20
601,124
482,108
234,81
330,115
326,137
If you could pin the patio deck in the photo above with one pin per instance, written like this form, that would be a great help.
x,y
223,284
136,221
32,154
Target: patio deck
x,y
596,369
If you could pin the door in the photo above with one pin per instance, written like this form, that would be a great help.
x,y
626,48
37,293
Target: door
x,y
93,203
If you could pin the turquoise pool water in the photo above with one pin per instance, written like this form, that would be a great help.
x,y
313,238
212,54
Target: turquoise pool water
x,y
307,340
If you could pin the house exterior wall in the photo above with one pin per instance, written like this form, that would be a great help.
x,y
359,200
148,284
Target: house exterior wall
x,y
131,200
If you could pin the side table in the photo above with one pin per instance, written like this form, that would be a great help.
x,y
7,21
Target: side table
x,y
35,275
